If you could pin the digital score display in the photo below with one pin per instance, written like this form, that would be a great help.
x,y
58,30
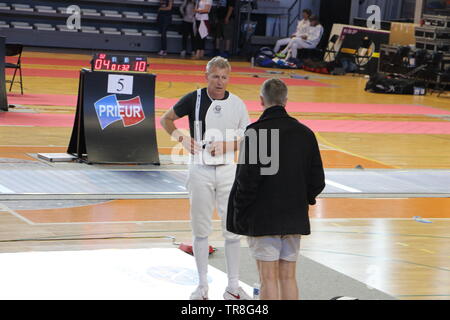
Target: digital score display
x,y
119,63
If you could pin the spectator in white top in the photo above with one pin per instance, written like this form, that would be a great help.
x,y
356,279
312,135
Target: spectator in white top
x,y
201,29
187,28
302,26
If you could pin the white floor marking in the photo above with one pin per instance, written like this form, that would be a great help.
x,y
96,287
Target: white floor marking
x,y
156,273
15,214
4,189
341,186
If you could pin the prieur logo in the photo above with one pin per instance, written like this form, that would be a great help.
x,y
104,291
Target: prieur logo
x,y
110,110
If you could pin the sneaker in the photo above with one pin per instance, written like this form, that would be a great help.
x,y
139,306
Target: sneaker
x,y
183,53
238,294
201,293
280,55
162,53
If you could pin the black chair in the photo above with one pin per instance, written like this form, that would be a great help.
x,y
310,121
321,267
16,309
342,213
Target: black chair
x,y
330,50
439,74
13,50
363,54
443,82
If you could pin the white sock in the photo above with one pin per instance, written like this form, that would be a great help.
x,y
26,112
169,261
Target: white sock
x,y
201,253
233,253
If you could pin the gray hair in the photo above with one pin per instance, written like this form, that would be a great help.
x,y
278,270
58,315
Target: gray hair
x,y
218,62
274,92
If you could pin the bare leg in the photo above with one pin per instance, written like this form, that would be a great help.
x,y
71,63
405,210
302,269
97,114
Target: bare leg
x,y
268,273
288,281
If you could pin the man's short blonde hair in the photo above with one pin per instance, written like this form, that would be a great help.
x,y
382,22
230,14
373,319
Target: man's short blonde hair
x,y
218,62
274,92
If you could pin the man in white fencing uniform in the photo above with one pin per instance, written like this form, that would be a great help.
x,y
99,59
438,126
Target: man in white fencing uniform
x,y
309,40
301,30
217,121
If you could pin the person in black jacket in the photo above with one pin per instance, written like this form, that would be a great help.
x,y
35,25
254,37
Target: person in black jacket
x,y
279,175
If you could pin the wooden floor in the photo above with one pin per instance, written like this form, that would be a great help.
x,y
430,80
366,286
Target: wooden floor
x,y
376,241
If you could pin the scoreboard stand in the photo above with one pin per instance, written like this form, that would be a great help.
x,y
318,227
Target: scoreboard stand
x,y
115,115
3,97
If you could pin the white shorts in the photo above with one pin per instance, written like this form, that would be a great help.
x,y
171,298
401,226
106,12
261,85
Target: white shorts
x,y
209,188
274,248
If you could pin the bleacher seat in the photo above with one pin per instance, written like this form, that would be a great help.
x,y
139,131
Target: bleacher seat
x,y
22,7
89,29
21,25
173,34
151,33
44,27
131,32
132,15
63,28
111,13
4,6
150,16
45,9
101,20
110,31
90,12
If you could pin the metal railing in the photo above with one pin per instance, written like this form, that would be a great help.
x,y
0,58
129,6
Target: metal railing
x,y
289,20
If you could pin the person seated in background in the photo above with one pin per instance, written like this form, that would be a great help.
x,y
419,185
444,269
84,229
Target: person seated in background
x,y
310,40
301,30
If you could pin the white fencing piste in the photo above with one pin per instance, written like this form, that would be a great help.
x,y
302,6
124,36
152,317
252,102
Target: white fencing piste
x,y
149,274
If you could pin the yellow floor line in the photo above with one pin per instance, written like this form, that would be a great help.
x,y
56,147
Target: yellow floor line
x,y
351,153
402,244
336,225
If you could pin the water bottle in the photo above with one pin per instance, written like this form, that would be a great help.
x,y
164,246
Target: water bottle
x,y
256,290
412,60
253,61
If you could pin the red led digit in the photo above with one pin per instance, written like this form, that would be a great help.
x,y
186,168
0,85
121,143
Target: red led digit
x,y
142,66
98,64
113,67
126,67
107,64
102,56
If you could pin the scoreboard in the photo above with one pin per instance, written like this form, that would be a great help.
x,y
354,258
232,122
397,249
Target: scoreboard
x,y
119,63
